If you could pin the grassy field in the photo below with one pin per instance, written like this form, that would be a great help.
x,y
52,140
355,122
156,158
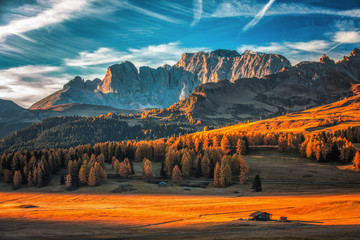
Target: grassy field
x,y
321,200
331,117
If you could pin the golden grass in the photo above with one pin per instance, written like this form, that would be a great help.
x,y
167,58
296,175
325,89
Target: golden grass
x,y
176,211
339,115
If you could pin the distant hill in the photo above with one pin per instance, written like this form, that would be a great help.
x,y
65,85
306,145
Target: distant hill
x,y
331,117
13,117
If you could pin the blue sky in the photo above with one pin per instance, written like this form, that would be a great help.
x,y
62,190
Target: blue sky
x,y
45,43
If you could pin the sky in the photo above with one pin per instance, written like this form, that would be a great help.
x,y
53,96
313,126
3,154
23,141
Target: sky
x,y
46,43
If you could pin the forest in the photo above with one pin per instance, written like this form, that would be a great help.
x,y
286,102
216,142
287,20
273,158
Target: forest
x,y
205,154
65,132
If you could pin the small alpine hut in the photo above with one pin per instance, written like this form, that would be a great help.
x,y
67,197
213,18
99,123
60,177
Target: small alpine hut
x,y
260,216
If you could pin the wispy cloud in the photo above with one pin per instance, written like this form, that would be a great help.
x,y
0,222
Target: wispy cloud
x,y
258,16
61,10
152,55
342,37
198,9
28,84
294,51
149,13
236,8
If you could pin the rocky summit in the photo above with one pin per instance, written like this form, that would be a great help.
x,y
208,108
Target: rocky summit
x,y
303,86
126,87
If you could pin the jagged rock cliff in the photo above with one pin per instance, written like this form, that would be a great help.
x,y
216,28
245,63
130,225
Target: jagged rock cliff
x,y
125,87
230,65
306,85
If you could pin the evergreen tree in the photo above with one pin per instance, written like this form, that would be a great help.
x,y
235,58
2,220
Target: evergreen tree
x,y
147,169
68,182
226,172
29,179
257,184
356,162
82,175
176,175
225,145
218,176
240,147
92,177
17,180
186,164
205,166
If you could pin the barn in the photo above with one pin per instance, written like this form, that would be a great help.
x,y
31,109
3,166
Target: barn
x,y
260,216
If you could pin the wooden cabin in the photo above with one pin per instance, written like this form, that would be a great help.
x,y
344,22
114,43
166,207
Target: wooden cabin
x,y
260,216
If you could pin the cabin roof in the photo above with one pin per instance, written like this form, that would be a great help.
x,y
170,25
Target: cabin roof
x,y
258,213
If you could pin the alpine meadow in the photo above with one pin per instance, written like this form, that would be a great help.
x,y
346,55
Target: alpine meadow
x,y
170,119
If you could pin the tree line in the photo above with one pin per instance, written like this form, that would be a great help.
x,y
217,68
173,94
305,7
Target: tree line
x,y
204,154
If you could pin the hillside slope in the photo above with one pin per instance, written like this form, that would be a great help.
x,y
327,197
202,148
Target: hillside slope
x,y
331,117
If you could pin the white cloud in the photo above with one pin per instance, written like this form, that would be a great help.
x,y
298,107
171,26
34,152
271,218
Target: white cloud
x,y
60,10
317,46
27,84
152,55
198,9
347,37
148,13
258,16
236,8
294,51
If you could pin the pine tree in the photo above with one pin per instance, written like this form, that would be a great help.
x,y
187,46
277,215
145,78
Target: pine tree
x,y
147,169
225,145
218,176
240,147
186,164
226,172
82,175
92,177
17,180
205,166
356,162
29,179
68,182
176,175
257,184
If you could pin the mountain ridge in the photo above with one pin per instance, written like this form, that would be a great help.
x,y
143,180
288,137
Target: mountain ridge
x,y
126,87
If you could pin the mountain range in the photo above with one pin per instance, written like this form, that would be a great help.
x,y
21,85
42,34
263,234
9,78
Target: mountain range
x,y
126,87
214,88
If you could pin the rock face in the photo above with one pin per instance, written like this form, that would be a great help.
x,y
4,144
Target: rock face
x,y
296,88
125,87
230,65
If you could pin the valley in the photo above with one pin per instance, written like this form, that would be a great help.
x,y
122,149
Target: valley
x,y
143,210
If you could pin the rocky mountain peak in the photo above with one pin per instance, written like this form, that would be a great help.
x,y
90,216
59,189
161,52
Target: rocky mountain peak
x,y
355,52
224,53
326,59
76,82
249,52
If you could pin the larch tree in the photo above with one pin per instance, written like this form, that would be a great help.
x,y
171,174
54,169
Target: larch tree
x,y
240,147
176,175
225,145
356,161
205,166
17,180
82,175
68,182
218,176
147,169
92,177
186,164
